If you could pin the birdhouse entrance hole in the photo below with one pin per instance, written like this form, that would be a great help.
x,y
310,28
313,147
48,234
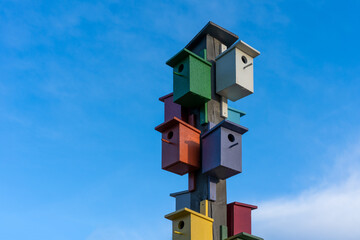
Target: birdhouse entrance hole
x,y
231,137
181,224
170,134
244,59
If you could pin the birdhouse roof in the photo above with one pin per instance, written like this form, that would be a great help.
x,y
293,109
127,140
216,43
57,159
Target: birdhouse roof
x,y
179,193
172,62
166,96
228,125
244,236
224,36
252,207
252,52
169,124
184,212
237,111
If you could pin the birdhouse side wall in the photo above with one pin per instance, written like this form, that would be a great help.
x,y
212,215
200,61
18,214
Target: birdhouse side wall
x,y
170,151
225,73
211,151
189,147
201,229
173,110
233,116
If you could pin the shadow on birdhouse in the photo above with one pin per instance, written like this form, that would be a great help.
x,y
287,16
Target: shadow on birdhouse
x,y
235,71
221,150
191,79
180,146
190,225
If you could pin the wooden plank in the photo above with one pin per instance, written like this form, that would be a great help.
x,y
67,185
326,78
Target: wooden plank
x,y
204,207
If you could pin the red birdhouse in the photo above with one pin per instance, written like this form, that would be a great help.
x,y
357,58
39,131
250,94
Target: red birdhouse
x,y
239,218
180,146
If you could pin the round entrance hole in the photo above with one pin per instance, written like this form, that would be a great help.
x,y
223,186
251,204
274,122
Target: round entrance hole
x,y
181,68
181,224
244,59
231,137
170,134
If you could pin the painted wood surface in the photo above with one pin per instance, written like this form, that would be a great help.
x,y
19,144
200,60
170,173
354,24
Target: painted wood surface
x,y
191,79
222,150
180,146
234,115
190,225
172,109
239,218
223,232
235,71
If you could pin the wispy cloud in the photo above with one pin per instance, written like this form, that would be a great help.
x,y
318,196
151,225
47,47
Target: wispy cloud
x,y
330,210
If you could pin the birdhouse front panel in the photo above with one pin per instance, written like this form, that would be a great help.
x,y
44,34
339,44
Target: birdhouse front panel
x,y
239,218
235,70
172,109
182,228
191,79
221,150
189,225
180,146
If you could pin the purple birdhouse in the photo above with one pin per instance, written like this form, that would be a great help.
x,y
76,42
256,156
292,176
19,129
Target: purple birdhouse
x,y
221,150
173,109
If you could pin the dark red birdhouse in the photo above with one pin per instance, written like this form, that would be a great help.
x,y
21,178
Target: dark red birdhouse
x,y
239,218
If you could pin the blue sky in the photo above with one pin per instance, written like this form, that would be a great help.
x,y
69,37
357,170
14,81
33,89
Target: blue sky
x,y
79,88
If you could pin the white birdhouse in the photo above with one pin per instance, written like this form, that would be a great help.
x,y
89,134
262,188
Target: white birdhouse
x,y
235,71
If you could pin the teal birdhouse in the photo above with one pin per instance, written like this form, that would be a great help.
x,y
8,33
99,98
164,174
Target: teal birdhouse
x,y
191,78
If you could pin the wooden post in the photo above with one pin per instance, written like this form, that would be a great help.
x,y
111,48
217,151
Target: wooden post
x,y
214,40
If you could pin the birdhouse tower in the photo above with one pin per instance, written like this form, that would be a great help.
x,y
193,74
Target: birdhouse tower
x,y
191,79
190,225
221,150
235,71
180,146
212,68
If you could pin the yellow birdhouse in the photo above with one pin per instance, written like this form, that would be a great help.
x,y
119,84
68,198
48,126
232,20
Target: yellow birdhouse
x,y
190,225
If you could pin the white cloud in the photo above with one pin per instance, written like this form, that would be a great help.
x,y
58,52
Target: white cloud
x,y
328,211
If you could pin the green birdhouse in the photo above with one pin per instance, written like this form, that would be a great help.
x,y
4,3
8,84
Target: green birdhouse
x,y
192,79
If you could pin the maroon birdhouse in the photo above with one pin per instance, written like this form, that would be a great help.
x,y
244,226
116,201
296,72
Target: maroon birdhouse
x,y
239,218
173,109
180,146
